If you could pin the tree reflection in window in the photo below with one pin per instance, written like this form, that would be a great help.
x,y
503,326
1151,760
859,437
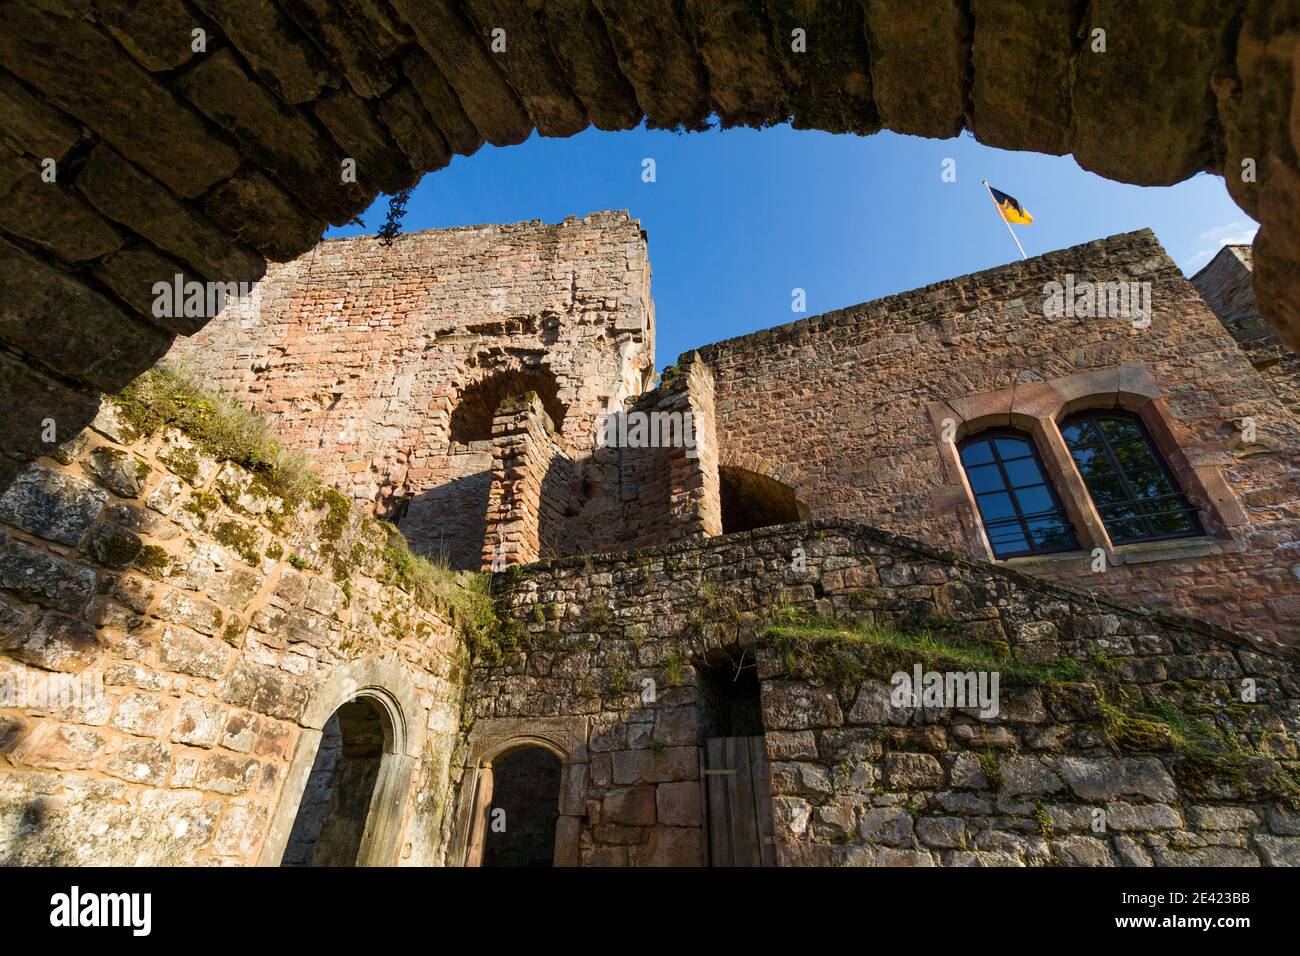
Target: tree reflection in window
x,y
1020,510
1134,492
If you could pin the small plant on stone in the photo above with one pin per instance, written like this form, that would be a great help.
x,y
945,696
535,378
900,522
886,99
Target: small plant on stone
x,y
674,665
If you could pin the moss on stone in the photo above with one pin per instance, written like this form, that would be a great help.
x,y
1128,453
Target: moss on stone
x,y
166,397
202,504
152,561
182,462
849,652
241,538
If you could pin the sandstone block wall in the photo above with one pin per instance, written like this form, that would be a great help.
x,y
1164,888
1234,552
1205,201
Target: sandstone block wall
x,y
385,364
1225,284
856,781
847,407
222,626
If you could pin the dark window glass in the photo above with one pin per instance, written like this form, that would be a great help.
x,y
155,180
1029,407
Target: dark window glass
x,y
1020,510
1130,484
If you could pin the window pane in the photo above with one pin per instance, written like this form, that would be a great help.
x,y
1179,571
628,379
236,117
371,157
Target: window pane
x,y
1008,540
977,453
1050,533
1023,472
1035,500
1012,448
984,478
995,506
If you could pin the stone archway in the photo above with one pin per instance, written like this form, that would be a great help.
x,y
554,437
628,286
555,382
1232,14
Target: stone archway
x,y
202,164
491,740
374,695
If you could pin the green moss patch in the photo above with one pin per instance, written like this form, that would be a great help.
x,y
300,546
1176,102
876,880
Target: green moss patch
x,y
844,652
169,397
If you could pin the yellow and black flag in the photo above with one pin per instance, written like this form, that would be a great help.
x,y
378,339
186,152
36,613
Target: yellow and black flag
x,y
1010,207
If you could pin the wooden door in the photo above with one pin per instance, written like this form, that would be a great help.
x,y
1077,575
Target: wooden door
x,y
739,795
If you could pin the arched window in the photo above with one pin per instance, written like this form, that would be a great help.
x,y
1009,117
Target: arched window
x,y
1020,509
1133,489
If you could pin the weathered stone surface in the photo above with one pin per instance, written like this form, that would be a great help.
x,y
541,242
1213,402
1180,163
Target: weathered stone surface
x,y
44,579
1155,72
33,127
87,75
1108,779
189,653
745,82
57,643
930,102
440,100
649,766
678,804
411,129
119,471
157,34
340,28
529,66
913,772
674,846
790,706
265,691
581,45
655,53
281,56
126,195
133,271
279,139
199,723
261,215
1022,53
363,138
51,504
47,401
49,214
74,330
456,48
634,806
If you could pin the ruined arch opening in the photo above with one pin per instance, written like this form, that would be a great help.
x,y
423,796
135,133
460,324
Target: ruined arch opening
x,y
471,419
521,822
751,500
336,808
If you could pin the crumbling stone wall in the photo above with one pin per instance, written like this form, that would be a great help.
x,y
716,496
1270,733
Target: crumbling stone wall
x,y
1224,283
850,406
1062,775
216,616
362,354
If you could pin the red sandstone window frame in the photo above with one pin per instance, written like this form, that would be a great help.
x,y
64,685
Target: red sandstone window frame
x,y
1038,409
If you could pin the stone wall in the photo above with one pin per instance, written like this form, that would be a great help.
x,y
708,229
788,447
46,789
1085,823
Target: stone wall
x,y
218,629
1225,284
1137,748
211,158
385,364
652,480
849,408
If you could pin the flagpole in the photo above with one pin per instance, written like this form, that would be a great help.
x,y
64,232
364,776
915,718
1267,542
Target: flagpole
x,y
1004,219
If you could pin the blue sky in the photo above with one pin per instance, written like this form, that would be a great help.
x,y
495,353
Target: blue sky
x,y
738,218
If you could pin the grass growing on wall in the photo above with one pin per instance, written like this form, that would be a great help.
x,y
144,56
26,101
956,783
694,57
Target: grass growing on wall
x,y
833,650
170,397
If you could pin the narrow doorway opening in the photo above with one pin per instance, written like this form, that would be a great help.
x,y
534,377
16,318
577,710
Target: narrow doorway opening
x,y
520,825
335,809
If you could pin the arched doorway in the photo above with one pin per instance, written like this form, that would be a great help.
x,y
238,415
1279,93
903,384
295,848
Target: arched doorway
x,y
335,811
751,500
525,808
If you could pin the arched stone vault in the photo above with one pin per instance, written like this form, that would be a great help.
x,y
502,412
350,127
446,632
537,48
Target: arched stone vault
x,y
205,162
